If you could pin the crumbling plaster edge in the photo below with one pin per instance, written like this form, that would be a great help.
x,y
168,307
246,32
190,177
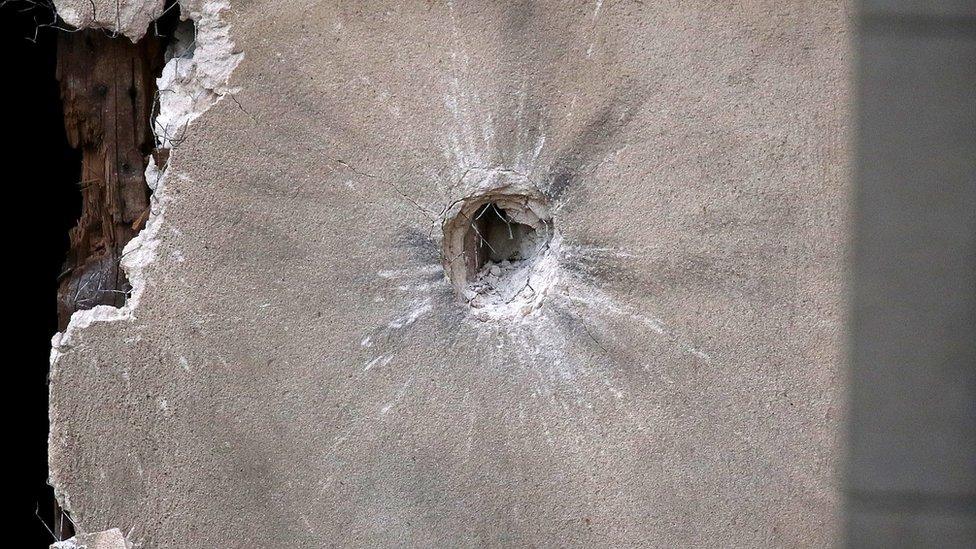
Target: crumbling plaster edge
x,y
129,18
106,539
188,88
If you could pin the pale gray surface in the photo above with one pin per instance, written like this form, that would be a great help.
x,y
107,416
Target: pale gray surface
x,y
679,389
108,539
912,471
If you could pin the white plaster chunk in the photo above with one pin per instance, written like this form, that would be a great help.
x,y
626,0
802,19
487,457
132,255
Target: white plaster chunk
x,y
107,539
197,70
129,18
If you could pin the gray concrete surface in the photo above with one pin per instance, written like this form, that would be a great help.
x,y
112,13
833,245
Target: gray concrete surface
x,y
912,473
294,369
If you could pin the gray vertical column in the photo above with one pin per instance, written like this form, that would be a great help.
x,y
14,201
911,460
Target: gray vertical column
x,y
911,473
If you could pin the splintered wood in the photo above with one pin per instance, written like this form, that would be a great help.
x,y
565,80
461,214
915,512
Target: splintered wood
x,y
108,91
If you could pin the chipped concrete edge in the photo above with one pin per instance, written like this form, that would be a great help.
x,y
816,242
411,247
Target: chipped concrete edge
x,y
189,86
129,18
106,539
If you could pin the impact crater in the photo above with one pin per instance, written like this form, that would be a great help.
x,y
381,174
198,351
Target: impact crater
x,y
500,252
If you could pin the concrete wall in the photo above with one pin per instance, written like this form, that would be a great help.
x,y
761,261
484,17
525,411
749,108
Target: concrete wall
x,y
294,369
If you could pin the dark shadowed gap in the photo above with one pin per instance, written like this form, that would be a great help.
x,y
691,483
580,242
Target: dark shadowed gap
x,y
46,171
109,95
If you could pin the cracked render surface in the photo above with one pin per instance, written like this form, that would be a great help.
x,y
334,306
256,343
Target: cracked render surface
x,y
294,368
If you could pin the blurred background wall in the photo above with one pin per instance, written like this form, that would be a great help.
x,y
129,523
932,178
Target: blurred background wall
x,y
911,476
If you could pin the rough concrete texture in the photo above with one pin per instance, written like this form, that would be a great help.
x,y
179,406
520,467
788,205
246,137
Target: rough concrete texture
x,y
109,539
131,19
295,370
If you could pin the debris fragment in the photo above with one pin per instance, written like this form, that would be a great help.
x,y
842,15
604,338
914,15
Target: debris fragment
x,y
106,539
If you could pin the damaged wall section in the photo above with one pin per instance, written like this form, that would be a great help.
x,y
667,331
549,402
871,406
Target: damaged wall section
x,y
133,95
109,96
108,90
299,348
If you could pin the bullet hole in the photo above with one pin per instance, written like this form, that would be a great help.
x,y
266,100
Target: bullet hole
x,y
495,236
499,252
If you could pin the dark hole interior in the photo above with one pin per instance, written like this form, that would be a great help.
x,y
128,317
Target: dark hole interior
x,y
494,236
